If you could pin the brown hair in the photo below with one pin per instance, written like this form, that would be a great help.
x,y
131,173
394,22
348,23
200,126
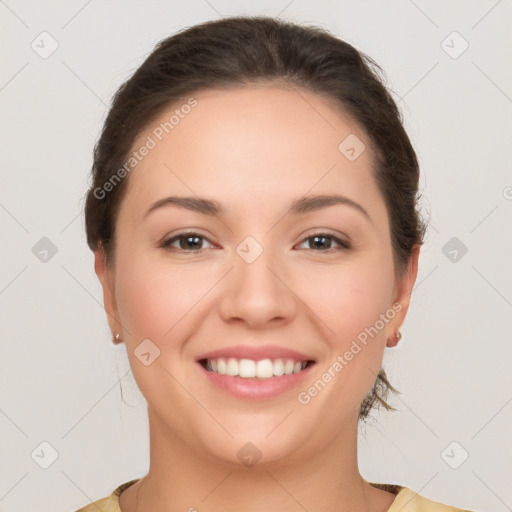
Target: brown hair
x,y
243,50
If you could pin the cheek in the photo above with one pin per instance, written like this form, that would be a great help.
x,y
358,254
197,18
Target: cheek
x,y
351,303
152,299
153,302
349,298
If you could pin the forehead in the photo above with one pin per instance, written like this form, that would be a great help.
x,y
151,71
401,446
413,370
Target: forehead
x,y
253,145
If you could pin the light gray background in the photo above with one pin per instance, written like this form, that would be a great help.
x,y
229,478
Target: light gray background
x,y
60,377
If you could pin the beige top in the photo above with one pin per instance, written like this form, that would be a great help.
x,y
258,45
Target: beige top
x,y
405,501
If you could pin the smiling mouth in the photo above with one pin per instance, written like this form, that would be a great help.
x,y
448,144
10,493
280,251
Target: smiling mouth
x,y
252,369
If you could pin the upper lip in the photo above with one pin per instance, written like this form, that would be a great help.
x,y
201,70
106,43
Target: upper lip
x,y
255,353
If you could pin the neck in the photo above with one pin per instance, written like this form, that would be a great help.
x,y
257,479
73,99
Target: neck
x,y
182,479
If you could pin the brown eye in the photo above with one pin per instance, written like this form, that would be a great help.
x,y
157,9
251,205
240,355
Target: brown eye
x,y
322,240
190,242
187,242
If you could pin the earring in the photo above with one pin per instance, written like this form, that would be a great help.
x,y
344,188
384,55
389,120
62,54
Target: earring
x,y
396,338
116,338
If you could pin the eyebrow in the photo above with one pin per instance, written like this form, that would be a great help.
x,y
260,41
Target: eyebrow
x,y
299,206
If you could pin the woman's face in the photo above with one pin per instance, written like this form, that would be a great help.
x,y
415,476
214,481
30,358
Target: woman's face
x,y
270,281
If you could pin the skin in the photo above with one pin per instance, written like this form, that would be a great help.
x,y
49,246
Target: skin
x,y
254,150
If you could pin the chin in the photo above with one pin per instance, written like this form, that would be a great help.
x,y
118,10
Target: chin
x,y
263,444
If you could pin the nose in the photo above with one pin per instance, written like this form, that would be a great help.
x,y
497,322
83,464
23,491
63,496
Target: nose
x,y
258,293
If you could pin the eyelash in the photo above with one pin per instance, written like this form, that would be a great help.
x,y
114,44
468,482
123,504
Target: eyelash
x,y
166,244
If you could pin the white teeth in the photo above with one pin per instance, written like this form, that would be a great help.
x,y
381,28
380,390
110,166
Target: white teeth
x,y
232,367
221,366
249,369
288,367
279,367
264,369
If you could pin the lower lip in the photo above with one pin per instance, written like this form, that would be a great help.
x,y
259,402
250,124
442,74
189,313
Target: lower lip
x,y
256,389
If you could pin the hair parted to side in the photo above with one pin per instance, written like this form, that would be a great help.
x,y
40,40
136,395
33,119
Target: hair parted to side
x,y
243,50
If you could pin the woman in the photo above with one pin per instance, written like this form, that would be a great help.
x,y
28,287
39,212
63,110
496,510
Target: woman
x,y
253,215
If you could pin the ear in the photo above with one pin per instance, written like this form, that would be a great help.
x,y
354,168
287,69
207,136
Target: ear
x,y
107,280
403,290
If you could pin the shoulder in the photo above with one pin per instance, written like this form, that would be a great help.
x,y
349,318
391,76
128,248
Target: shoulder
x,y
110,503
408,501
